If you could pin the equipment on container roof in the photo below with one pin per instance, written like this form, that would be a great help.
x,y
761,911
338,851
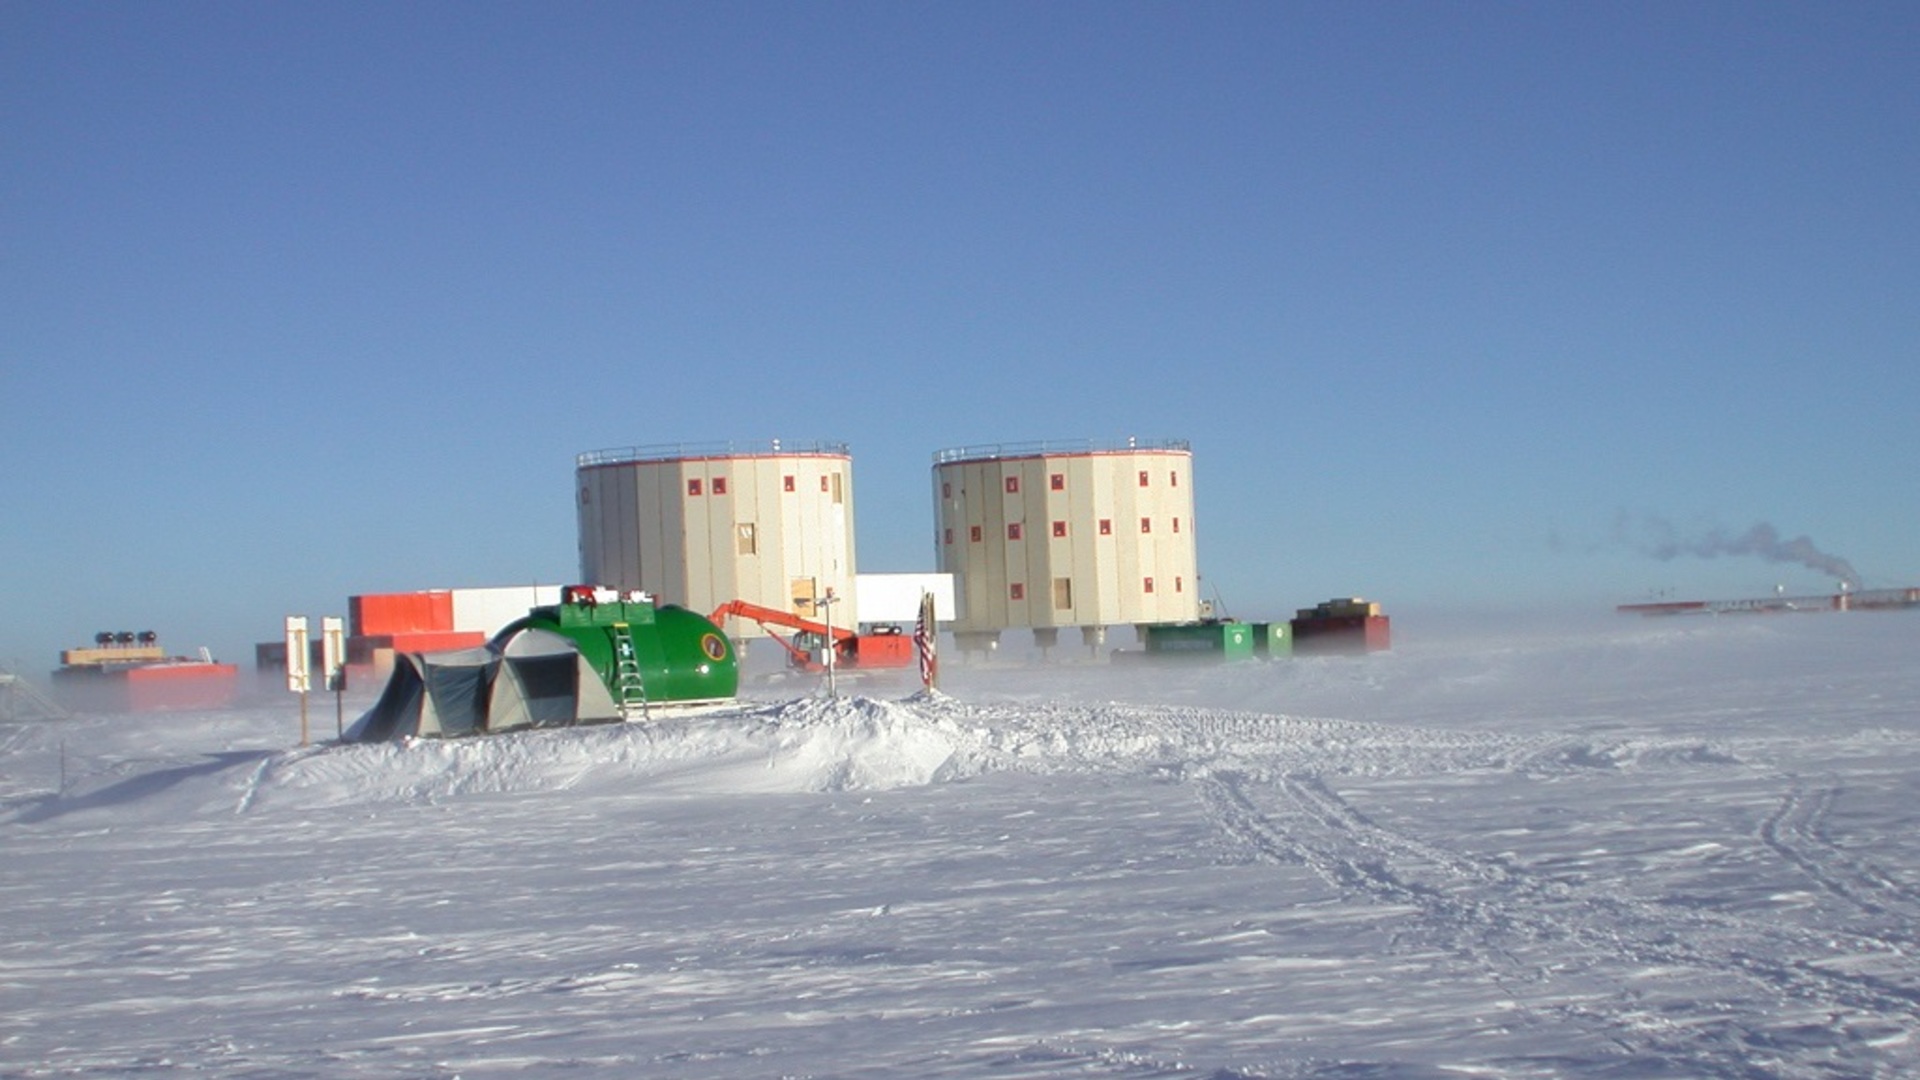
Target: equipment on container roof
x,y
1344,624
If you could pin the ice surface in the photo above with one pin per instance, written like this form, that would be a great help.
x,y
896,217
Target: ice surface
x,y
1659,848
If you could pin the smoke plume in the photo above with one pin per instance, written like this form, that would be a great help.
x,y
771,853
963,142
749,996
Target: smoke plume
x,y
1659,539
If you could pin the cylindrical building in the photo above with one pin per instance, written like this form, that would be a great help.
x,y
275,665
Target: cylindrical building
x,y
700,526
1050,534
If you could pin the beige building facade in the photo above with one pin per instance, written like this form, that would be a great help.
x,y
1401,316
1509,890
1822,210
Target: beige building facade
x,y
1048,535
701,526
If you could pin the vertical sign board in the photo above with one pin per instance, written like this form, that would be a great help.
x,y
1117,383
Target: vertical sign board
x,y
299,676
299,667
333,652
333,667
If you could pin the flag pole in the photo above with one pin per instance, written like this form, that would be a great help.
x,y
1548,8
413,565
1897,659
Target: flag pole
x,y
926,632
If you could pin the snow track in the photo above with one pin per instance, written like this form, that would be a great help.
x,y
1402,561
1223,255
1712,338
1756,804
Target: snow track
x,y
1522,929
1796,831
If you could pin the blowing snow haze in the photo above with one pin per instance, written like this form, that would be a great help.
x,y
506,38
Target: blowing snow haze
x,y
1666,849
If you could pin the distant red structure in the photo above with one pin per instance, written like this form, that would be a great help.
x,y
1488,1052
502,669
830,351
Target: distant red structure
x,y
1345,625
1865,600
126,672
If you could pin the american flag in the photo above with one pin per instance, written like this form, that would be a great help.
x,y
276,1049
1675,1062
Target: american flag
x,y
925,632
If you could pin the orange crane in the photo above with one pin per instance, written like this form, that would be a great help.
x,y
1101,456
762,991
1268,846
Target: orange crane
x,y
886,647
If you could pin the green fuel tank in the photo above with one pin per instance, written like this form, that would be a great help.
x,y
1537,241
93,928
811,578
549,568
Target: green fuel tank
x,y
679,654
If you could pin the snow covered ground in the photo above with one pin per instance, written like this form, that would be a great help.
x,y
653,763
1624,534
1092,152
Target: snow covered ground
x,y
1625,848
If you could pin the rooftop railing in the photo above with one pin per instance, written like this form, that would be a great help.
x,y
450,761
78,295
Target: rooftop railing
x,y
622,455
1052,447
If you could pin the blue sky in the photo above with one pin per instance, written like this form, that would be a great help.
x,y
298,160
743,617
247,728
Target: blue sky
x,y
1459,304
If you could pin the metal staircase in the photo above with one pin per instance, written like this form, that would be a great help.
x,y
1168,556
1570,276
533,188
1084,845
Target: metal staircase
x,y
629,689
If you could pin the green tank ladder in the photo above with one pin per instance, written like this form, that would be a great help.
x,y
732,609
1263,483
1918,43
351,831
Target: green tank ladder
x,y
628,687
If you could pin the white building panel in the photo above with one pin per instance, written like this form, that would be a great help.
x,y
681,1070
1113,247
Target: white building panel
x,y
488,610
895,598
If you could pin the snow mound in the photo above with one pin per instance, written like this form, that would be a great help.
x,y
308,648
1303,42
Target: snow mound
x,y
806,745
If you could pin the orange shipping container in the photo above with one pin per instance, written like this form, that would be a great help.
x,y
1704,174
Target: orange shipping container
x,y
379,614
360,649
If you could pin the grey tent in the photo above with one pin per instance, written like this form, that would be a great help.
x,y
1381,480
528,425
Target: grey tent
x,y
532,678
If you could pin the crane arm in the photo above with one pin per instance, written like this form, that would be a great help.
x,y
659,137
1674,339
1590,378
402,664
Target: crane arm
x,y
767,616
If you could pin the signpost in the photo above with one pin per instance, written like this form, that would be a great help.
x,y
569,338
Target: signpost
x,y
299,675
333,663
825,607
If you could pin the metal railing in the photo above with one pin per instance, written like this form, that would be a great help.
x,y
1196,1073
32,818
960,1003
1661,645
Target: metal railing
x,y
678,451
1051,447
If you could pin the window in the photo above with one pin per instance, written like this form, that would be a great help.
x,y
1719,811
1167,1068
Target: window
x,y
586,496
719,485
1058,481
1173,479
1149,585
1146,525
823,483
1013,485
949,536
1143,478
693,486
946,489
1059,528
786,482
974,534
1063,594
1013,531
748,542
1176,524
1016,591
1179,585
1106,526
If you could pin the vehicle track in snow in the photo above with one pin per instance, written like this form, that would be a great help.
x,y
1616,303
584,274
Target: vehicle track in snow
x,y
1518,927
1797,832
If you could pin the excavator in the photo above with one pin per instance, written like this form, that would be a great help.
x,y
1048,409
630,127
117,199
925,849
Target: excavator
x,y
885,647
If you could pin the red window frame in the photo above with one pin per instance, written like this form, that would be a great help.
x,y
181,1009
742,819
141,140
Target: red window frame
x,y
973,534
1059,528
1146,524
693,486
1143,478
1148,585
949,536
1058,481
1013,485
786,482
1106,526
719,485
1016,591
1013,530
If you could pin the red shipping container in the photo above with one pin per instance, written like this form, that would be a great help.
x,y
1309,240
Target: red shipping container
x,y
400,613
181,686
360,649
884,650
1326,634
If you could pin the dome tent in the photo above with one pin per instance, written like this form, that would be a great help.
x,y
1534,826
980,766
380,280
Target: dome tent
x,y
527,678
